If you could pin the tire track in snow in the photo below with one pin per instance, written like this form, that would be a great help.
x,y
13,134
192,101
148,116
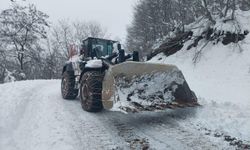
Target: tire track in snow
x,y
134,141
161,131
49,122
14,117
133,128
91,131
41,125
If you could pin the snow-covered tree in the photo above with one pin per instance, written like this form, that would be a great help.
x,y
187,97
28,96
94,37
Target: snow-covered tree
x,y
155,19
28,44
57,45
2,62
64,34
21,27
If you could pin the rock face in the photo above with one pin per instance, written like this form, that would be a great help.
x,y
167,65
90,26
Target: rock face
x,y
172,45
213,35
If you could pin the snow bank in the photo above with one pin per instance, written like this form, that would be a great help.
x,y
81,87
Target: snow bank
x,y
222,74
221,80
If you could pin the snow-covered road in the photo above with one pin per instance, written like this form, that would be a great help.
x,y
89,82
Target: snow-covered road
x,y
33,116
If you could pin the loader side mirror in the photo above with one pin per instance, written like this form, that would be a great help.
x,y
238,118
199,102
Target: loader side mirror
x,y
136,56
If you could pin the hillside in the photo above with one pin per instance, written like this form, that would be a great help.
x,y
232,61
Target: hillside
x,y
222,74
34,116
221,80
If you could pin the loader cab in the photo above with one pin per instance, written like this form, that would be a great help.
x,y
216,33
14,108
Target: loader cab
x,y
96,47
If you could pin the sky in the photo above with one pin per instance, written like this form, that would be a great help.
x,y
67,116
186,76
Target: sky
x,y
114,15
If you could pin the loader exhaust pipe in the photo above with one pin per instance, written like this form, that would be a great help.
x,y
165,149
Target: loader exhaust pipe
x,y
121,56
136,56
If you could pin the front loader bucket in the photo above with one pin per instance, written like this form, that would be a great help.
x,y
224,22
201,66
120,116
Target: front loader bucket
x,y
137,86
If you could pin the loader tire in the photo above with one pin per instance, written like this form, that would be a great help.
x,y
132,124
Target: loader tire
x,y
91,91
68,86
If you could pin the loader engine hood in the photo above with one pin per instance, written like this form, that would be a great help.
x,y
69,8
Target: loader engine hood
x,y
137,86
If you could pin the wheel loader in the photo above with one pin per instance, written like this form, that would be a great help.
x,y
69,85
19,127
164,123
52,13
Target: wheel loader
x,y
105,77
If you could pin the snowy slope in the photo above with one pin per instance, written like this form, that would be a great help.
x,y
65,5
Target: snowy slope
x,y
221,80
223,72
33,116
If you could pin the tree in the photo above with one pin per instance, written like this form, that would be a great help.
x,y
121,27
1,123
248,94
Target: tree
x,y
154,20
2,63
53,61
64,34
244,5
21,27
58,43
28,44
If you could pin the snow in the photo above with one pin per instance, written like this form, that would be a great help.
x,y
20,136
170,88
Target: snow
x,y
240,25
221,81
149,91
8,77
222,74
33,116
94,63
22,75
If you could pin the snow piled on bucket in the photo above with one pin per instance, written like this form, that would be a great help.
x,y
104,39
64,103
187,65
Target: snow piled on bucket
x,y
148,92
94,64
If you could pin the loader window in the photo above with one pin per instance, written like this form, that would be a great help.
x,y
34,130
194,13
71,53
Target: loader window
x,y
102,48
110,49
